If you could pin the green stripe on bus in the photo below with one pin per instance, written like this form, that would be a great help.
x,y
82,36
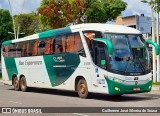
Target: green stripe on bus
x,y
116,88
11,67
55,32
7,42
60,67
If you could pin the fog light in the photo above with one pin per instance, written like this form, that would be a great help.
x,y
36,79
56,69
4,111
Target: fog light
x,y
117,89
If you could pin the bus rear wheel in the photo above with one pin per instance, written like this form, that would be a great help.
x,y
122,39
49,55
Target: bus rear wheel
x,y
23,84
82,88
16,84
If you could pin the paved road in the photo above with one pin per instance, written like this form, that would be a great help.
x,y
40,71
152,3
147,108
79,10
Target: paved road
x,y
55,98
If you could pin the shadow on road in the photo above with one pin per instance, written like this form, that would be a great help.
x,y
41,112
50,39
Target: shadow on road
x,y
123,98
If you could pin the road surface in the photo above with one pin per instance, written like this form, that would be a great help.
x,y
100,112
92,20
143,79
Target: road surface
x,y
37,97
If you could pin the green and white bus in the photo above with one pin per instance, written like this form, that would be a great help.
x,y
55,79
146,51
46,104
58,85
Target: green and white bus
x,y
87,58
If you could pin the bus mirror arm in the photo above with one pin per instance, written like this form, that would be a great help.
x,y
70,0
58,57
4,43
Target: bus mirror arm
x,y
156,46
108,44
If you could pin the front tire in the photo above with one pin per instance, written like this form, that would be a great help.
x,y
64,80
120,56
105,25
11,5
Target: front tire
x,y
16,84
82,88
23,84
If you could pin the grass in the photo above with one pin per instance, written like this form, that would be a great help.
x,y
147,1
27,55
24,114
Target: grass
x,y
156,83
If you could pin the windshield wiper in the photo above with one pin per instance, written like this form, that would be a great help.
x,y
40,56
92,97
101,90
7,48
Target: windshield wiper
x,y
141,64
136,57
128,65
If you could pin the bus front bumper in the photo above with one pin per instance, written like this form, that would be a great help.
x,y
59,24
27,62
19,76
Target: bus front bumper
x,y
116,88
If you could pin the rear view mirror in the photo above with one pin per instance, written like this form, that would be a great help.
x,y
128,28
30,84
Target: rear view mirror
x,y
4,50
156,46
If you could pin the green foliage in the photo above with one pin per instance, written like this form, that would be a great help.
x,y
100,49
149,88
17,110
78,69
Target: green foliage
x,y
5,25
59,13
156,83
155,4
101,11
28,23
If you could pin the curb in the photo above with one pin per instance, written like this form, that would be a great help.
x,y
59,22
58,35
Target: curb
x,y
156,88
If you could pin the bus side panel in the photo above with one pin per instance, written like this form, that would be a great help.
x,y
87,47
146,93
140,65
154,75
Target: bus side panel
x,y
99,84
80,71
33,68
5,77
11,67
60,67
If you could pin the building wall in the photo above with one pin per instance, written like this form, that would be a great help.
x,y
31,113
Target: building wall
x,y
142,23
131,20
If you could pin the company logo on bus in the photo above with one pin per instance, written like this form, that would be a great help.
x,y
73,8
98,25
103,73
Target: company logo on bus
x,y
135,78
58,59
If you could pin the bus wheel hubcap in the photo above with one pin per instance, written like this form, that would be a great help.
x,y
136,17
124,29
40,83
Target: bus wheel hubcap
x,y
23,84
82,88
16,83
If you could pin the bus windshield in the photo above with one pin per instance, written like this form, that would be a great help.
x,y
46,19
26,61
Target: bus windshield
x,y
130,54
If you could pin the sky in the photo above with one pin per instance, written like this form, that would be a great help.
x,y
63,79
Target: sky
x,y
134,7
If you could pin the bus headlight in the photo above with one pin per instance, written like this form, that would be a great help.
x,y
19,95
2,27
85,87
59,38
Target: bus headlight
x,y
118,80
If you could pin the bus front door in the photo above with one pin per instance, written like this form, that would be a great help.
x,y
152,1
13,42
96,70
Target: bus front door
x,y
99,56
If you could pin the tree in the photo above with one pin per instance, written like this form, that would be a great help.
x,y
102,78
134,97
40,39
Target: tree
x,y
155,4
5,25
101,11
28,23
59,13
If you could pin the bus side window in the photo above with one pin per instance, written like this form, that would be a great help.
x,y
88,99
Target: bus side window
x,y
58,45
24,51
70,43
64,43
89,35
30,47
48,47
18,49
79,46
35,48
41,47
27,49
52,45
12,50
5,51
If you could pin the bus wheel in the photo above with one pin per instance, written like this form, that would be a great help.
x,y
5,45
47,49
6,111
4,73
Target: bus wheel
x,y
16,84
82,88
23,84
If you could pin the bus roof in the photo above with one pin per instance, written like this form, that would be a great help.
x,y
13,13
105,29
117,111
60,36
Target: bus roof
x,y
108,28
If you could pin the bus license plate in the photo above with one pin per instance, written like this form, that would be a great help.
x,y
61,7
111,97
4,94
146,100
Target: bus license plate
x,y
136,89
